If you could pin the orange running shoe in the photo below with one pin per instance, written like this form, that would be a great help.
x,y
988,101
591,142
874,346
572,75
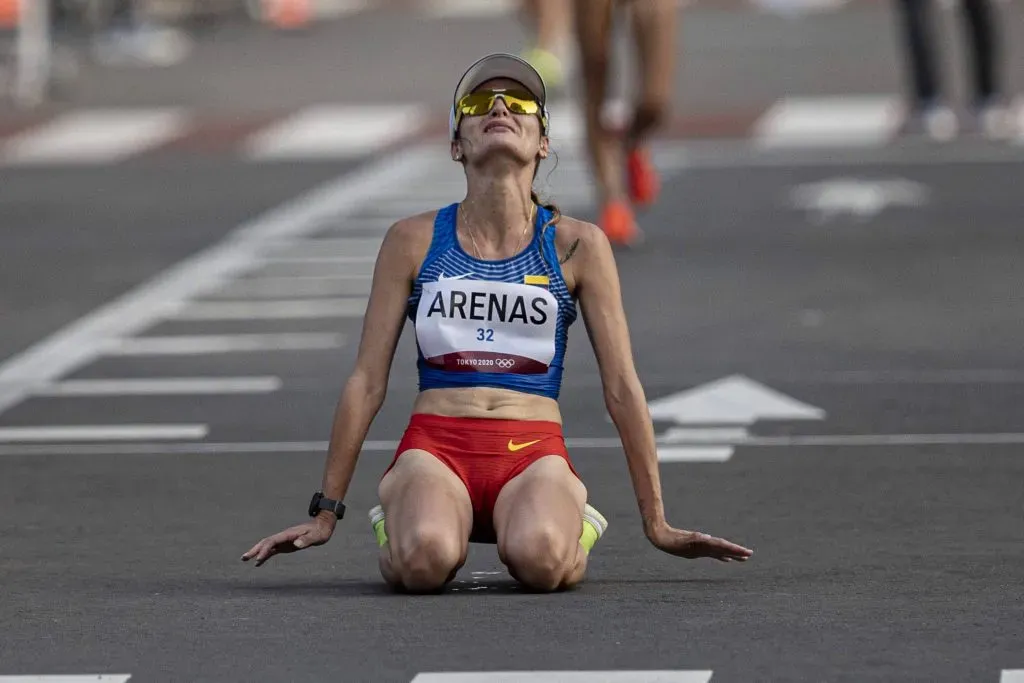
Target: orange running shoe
x,y
618,223
644,184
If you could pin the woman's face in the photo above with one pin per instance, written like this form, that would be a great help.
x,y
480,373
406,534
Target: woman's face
x,y
500,132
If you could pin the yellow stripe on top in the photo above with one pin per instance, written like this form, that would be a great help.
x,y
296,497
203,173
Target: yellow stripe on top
x,y
536,280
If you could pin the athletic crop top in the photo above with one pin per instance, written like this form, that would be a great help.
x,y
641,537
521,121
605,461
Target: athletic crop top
x,y
486,323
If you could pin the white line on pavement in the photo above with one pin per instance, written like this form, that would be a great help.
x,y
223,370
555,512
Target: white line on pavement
x,y
161,386
318,447
101,433
565,677
261,310
278,287
196,345
90,678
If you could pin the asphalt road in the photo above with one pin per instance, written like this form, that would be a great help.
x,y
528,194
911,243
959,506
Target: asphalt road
x,y
887,530
843,324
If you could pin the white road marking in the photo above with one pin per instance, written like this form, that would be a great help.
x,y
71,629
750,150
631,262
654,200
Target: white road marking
x,y
162,386
263,310
724,154
90,678
310,269
83,341
331,246
335,259
669,449
101,433
277,287
94,136
694,453
979,376
828,121
319,447
565,677
456,9
195,345
1012,676
335,132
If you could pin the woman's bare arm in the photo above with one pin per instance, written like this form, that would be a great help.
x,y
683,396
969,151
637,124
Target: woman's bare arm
x,y
366,387
598,289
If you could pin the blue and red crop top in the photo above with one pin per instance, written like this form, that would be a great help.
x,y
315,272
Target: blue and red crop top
x,y
486,323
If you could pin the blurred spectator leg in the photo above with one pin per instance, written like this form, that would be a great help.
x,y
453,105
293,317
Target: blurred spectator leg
x,y
991,115
131,38
927,113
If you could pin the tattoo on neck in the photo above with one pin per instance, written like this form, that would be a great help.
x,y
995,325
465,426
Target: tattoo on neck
x,y
570,252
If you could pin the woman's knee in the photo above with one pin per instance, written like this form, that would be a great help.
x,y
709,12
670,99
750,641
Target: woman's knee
x,y
541,557
426,558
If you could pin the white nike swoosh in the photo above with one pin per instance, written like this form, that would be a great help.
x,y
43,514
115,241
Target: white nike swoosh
x,y
453,277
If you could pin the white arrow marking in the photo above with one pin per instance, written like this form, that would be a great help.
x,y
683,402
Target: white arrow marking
x,y
734,400
860,198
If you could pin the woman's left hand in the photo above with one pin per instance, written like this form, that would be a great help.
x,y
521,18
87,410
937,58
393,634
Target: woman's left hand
x,y
694,544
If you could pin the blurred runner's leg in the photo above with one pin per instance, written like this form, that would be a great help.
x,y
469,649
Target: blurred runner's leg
x,y
654,26
593,33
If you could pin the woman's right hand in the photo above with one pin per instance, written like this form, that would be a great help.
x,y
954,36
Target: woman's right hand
x,y
317,531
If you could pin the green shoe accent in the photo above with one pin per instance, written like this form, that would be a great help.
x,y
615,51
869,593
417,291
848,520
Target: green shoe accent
x,y
377,521
547,64
594,526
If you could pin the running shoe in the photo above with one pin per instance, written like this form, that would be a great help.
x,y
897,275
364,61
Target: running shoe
x,y
376,516
644,183
618,223
547,64
594,526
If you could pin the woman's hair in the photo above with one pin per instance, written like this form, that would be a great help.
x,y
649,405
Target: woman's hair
x,y
556,213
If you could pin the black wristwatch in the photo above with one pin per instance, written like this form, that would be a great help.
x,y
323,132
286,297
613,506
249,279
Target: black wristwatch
x,y
320,503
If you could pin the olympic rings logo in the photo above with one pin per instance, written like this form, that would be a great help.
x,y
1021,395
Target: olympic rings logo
x,y
505,363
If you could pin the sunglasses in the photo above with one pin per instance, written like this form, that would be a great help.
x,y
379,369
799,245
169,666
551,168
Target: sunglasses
x,y
481,102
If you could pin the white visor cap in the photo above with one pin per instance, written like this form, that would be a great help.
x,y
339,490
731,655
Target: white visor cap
x,y
499,65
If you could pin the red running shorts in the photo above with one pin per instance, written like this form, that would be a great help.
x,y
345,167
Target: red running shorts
x,y
485,454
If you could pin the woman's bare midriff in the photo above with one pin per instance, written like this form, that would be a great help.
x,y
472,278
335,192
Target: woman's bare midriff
x,y
487,402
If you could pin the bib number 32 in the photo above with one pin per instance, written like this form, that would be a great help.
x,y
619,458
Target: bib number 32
x,y
484,334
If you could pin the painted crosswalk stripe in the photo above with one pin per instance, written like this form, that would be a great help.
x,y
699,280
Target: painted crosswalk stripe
x,y
362,247
335,132
102,433
196,345
1012,676
828,121
277,287
91,678
453,9
264,310
161,386
320,258
565,677
95,136
310,269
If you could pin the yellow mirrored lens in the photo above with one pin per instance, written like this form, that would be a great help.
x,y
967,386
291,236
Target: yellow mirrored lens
x,y
479,103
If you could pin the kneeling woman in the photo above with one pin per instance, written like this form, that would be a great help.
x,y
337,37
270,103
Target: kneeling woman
x,y
491,285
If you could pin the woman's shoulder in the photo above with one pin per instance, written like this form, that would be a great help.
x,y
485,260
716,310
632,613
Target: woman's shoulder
x,y
572,233
410,237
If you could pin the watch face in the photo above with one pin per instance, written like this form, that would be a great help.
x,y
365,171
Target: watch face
x,y
314,505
